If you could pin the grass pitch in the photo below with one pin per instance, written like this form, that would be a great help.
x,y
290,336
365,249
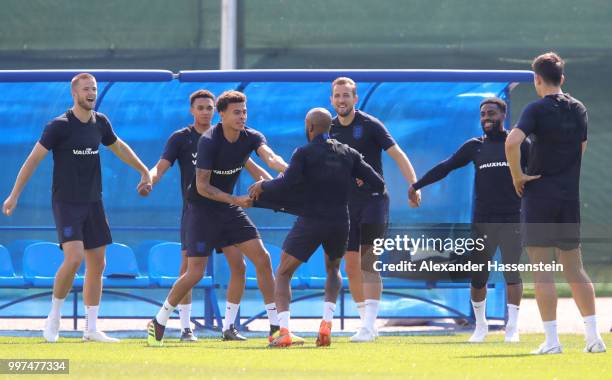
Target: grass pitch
x,y
405,357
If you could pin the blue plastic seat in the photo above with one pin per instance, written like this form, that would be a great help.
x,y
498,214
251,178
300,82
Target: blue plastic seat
x,y
40,263
8,278
141,252
164,266
121,268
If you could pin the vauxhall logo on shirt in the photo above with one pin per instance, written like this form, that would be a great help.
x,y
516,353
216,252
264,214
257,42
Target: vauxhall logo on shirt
x,y
493,165
84,152
227,172
194,156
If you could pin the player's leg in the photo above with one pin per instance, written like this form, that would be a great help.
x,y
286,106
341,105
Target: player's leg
x,y
301,242
374,220
235,289
194,273
546,297
64,277
96,236
255,251
184,306
95,262
333,284
282,296
478,288
240,231
583,294
352,260
511,251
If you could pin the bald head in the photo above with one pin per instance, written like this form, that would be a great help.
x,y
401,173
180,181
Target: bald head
x,y
318,121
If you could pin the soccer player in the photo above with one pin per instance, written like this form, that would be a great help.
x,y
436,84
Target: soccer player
x,y
550,211
82,228
369,137
496,213
214,217
326,170
183,146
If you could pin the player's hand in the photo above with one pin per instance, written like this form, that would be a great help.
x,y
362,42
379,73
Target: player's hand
x,y
414,197
243,201
146,185
359,182
256,189
9,205
519,183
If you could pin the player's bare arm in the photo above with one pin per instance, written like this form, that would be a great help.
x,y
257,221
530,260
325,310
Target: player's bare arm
x,y
271,159
158,171
407,171
513,156
29,166
209,191
127,155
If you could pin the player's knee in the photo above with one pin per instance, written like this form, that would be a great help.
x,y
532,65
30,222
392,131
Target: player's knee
x,y
238,269
72,262
353,269
193,277
263,262
95,268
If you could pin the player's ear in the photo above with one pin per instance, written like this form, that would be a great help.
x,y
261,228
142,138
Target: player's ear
x,y
562,80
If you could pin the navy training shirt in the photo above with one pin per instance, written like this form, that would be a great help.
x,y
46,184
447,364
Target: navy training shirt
x,y
493,188
182,145
76,160
320,175
224,159
557,126
368,136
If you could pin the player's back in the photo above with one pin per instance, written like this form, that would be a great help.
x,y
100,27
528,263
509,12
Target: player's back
x,y
558,126
329,169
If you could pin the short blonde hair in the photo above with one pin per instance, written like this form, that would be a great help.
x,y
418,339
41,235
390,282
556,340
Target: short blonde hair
x,y
345,81
75,80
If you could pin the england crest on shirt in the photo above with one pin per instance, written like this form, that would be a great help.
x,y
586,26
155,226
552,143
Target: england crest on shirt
x,y
357,132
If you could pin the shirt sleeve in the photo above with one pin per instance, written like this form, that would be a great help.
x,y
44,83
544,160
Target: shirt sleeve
x,y
527,121
205,153
584,121
172,148
257,139
294,174
364,171
381,135
460,158
52,134
108,135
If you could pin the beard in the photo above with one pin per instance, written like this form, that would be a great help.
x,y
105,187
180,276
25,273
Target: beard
x,y
496,130
83,103
347,111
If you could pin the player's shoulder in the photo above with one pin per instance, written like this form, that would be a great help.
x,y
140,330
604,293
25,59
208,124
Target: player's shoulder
x,y
181,133
59,121
252,133
474,142
366,118
576,104
100,117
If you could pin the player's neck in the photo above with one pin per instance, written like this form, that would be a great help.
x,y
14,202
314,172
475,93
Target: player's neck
x,y
230,134
345,121
552,90
201,128
82,114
